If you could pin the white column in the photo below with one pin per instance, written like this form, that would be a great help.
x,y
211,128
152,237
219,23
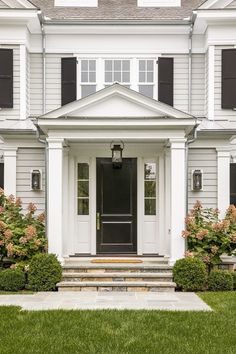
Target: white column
x,y
211,83
55,197
178,200
223,173
10,154
65,201
23,87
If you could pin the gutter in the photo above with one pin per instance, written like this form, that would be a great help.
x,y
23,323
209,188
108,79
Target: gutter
x,y
43,141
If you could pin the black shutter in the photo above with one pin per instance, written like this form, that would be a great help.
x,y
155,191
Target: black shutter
x,y
166,80
68,80
6,78
233,183
228,89
2,175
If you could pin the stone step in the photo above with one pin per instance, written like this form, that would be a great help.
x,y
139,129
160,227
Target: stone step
x,y
116,286
114,277
113,268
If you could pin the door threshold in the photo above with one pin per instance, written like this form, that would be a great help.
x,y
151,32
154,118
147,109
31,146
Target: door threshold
x,y
115,255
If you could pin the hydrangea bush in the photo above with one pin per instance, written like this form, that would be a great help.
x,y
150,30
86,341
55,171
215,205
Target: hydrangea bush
x,y
21,235
208,237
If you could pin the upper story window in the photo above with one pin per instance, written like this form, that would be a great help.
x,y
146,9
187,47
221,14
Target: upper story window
x,y
159,3
76,3
146,77
88,77
117,71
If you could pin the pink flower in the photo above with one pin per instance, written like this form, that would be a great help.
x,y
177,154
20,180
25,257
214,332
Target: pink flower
x,y
185,233
41,217
1,243
18,202
2,225
30,232
189,254
10,250
32,207
2,209
23,240
201,234
233,238
37,243
13,266
206,259
197,205
8,234
189,220
1,191
11,199
214,249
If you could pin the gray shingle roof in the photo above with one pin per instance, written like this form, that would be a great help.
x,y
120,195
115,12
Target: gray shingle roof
x,y
117,10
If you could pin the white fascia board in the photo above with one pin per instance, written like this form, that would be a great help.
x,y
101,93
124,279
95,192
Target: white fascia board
x,y
120,29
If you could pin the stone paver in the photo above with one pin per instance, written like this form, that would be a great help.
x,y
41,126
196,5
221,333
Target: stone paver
x,y
102,300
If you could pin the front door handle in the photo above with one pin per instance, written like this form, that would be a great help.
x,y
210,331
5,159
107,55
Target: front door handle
x,y
98,221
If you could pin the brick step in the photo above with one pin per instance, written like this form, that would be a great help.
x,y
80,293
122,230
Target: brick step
x,y
111,268
116,286
114,277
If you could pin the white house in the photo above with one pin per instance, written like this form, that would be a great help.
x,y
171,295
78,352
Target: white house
x,y
82,80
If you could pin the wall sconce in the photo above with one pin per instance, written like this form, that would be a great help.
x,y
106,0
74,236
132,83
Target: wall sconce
x,y
117,154
36,180
197,180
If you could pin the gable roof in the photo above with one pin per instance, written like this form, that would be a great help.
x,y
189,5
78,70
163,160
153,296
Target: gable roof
x,y
116,101
117,10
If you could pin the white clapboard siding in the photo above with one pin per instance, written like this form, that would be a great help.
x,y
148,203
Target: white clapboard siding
x,y
198,85
219,112
36,84
205,160
27,160
15,111
180,81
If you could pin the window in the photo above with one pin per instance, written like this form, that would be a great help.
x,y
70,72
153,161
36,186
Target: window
x,y
228,79
159,3
88,77
83,189
146,77
150,188
77,3
117,71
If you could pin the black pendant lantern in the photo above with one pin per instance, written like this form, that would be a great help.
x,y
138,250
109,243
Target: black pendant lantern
x,y
197,180
36,180
117,149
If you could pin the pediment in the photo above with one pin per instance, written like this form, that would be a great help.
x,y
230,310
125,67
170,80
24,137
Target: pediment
x,y
119,102
16,4
218,4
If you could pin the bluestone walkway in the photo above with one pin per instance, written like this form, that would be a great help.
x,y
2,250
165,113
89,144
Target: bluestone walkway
x,y
106,300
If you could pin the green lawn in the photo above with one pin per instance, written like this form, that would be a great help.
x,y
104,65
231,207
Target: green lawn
x,y
120,332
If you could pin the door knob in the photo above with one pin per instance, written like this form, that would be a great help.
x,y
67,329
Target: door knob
x,y
98,221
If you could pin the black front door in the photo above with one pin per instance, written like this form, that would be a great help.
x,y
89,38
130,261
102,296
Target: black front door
x,y
116,207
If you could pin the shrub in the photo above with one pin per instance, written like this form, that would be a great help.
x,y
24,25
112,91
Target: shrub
x,y
190,274
45,272
12,280
207,236
21,235
220,280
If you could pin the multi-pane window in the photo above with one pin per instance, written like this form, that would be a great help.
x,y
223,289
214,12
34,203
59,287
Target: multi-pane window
x,y
117,71
88,77
146,77
150,188
83,189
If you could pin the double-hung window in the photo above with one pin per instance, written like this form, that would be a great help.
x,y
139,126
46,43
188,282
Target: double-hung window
x,y
88,77
117,70
146,77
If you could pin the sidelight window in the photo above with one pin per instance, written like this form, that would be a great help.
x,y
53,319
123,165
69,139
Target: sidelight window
x,y
88,77
83,188
146,77
150,188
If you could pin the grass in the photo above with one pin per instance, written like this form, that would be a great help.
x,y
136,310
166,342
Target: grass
x,y
122,332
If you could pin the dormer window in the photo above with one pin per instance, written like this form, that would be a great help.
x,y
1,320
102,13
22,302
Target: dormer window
x,y
159,3
76,3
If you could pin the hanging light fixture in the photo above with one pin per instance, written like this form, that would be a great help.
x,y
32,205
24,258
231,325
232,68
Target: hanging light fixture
x,y
117,149
197,184
36,180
